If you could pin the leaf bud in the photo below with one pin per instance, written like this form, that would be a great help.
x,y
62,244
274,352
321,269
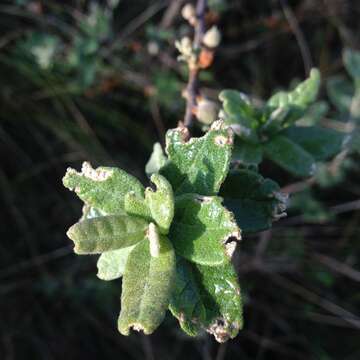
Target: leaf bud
x,y
212,38
207,111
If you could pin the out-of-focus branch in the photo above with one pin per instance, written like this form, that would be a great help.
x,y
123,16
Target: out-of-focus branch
x,y
191,90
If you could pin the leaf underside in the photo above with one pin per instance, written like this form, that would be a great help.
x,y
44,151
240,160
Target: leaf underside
x,y
112,232
147,286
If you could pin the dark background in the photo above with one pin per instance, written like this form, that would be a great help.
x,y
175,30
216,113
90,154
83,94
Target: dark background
x,y
103,97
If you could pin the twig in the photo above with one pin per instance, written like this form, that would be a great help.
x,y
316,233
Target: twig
x,y
171,12
317,300
338,266
334,210
191,89
294,24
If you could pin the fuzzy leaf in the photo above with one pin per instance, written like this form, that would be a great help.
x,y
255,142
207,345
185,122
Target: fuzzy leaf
x,y
238,108
147,286
199,165
221,295
290,156
302,96
207,297
135,205
340,91
161,202
157,206
111,264
202,228
256,202
157,160
321,143
352,63
246,153
186,303
103,188
107,233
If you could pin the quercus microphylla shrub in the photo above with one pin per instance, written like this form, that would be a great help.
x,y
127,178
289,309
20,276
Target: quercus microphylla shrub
x,y
172,242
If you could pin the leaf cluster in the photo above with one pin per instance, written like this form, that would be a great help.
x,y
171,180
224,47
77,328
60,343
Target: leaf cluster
x,y
173,243
276,129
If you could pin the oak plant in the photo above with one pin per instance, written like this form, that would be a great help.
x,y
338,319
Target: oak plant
x,y
172,242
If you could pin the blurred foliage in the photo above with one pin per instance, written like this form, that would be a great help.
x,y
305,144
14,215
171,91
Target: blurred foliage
x,y
98,80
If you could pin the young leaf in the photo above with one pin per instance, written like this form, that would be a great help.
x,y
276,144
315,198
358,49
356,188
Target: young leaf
x,y
321,143
147,286
157,205
103,188
135,205
203,231
199,165
208,298
238,109
161,202
111,264
107,233
157,160
302,96
256,202
290,156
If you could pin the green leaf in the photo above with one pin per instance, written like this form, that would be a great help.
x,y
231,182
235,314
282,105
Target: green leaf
x,y
186,303
246,153
221,295
157,205
321,143
351,60
111,264
340,91
238,108
256,202
290,156
207,297
103,188
161,202
199,165
157,160
302,96
147,285
107,233
314,114
135,205
203,231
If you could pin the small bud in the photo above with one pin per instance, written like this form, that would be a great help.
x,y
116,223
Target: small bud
x,y
188,12
212,37
207,111
153,48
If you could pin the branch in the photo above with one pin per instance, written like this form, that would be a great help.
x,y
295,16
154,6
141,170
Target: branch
x,y
192,87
